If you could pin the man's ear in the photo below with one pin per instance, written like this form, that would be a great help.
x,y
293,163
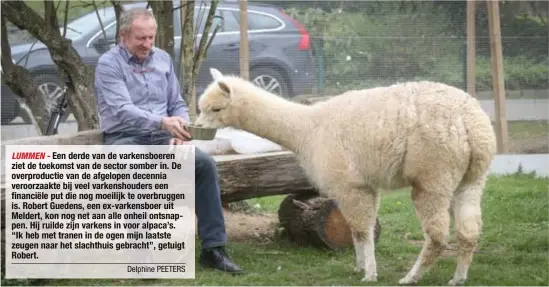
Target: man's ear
x,y
227,92
216,74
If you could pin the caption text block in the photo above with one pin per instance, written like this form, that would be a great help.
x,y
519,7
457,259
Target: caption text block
x,y
100,211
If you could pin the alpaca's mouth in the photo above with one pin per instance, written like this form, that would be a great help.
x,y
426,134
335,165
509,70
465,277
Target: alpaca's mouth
x,y
208,124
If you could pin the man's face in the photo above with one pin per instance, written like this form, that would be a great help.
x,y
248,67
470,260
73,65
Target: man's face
x,y
140,39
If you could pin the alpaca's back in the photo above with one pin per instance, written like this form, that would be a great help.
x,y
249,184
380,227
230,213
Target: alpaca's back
x,y
392,134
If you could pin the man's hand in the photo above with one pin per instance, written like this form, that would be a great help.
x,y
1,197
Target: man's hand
x,y
176,126
176,141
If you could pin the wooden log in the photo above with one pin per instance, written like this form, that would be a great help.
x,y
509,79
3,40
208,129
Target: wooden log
x,y
258,175
309,219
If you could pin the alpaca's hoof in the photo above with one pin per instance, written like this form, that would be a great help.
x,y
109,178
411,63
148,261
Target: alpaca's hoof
x,y
457,281
370,278
408,280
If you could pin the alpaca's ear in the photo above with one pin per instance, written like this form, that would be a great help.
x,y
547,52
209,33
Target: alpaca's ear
x,y
225,88
216,74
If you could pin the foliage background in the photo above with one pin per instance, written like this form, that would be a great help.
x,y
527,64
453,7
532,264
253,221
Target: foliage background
x,y
368,43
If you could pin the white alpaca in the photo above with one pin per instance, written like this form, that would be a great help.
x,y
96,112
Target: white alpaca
x,y
430,136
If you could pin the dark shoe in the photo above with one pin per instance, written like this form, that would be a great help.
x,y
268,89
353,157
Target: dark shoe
x,y
217,258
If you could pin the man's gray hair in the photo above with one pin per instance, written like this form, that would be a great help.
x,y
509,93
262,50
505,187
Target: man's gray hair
x,y
128,16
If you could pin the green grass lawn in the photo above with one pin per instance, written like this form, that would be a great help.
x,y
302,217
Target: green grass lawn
x,y
528,136
513,249
528,129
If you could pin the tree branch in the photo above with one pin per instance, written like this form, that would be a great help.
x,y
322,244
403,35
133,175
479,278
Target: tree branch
x,y
19,80
66,19
87,4
25,18
50,14
118,9
199,56
210,40
99,19
7,64
66,58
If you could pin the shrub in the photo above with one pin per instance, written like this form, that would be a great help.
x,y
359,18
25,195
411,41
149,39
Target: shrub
x,y
363,50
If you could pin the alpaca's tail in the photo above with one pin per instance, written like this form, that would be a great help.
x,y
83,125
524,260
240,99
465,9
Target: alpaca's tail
x,y
482,141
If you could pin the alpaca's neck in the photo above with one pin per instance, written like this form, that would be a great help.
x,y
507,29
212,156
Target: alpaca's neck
x,y
281,121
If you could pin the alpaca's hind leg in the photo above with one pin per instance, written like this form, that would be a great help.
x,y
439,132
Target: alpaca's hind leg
x,y
359,252
359,207
432,209
468,225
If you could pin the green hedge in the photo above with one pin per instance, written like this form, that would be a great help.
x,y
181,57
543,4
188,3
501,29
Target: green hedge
x,y
520,73
369,50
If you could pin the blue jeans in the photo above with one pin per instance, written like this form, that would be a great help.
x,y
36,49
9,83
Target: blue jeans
x,y
209,211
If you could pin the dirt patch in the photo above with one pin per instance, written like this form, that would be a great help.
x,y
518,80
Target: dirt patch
x,y
250,227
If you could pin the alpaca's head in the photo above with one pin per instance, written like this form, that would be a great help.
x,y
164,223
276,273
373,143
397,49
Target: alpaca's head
x,y
215,102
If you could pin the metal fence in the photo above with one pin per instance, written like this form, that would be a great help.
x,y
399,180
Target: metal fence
x,y
362,44
365,44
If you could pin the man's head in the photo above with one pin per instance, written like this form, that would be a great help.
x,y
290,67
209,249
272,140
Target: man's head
x,y
138,31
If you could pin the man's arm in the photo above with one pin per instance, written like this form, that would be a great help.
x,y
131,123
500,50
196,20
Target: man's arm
x,y
176,104
111,88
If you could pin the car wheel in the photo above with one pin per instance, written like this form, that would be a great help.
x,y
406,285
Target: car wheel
x,y
270,80
51,89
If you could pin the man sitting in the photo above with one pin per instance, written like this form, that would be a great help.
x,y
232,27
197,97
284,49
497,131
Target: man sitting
x,y
139,102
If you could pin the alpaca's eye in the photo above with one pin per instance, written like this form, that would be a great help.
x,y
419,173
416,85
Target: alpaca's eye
x,y
215,110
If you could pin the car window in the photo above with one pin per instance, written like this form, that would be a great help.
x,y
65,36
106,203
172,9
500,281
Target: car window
x,y
260,21
217,20
110,32
230,23
200,16
257,21
88,23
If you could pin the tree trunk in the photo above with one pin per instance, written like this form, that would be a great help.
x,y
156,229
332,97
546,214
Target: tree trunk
x,y
163,12
80,93
187,51
191,58
199,56
314,220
